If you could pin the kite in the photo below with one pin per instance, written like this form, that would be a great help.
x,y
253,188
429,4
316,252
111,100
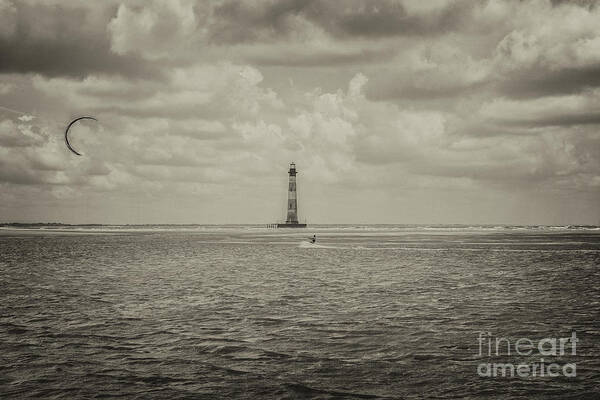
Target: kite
x,y
67,133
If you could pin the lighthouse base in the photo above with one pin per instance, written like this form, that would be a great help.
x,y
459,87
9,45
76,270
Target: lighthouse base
x,y
291,225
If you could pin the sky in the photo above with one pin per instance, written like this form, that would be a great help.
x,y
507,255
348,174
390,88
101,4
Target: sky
x,y
416,112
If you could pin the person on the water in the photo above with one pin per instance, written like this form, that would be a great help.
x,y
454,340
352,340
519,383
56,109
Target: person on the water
x,y
313,239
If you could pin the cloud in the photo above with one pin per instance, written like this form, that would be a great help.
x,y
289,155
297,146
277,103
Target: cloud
x,y
238,22
8,13
566,110
317,55
211,91
20,135
387,18
6,88
26,118
534,83
381,104
180,130
151,28
532,60
62,40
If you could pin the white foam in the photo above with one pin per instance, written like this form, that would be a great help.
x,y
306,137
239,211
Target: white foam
x,y
308,245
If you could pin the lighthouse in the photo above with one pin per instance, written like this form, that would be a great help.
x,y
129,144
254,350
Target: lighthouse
x,y
292,202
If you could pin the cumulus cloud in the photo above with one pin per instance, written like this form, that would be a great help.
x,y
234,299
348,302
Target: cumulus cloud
x,y
151,28
26,118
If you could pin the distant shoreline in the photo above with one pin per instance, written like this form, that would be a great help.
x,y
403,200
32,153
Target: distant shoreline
x,y
55,227
96,225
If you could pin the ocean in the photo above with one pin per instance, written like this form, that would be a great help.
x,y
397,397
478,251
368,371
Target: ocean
x,y
206,312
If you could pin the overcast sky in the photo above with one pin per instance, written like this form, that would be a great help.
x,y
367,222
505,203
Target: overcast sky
x,y
394,111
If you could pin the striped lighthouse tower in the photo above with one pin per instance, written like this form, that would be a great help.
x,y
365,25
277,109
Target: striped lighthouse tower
x,y
292,209
292,204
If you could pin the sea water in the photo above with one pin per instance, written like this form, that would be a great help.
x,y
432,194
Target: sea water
x,y
247,312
